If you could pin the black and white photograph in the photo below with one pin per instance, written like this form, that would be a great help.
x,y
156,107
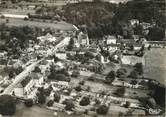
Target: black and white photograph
x,y
82,58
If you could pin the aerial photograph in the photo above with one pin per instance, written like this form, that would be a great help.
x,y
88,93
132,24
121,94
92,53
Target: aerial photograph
x,y
82,58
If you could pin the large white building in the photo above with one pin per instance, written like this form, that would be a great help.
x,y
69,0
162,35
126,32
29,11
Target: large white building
x,y
14,16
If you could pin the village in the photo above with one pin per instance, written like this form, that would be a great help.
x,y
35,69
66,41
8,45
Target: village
x,y
63,79
66,71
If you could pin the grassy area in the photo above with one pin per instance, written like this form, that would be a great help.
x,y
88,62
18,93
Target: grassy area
x,y
155,66
20,22
18,11
37,111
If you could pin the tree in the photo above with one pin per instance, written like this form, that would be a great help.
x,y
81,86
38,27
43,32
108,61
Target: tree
x,y
37,69
71,44
48,90
152,103
97,102
89,55
156,34
7,105
7,20
18,70
59,77
78,88
102,110
82,82
28,103
129,113
120,91
41,98
159,95
69,106
57,97
11,74
26,81
133,74
110,77
139,68
50,103
121,72
56,59
75,73
138,30
133,82
85,101
127,104
25,19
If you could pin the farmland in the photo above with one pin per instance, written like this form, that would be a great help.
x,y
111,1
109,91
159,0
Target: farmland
x,y
155,65
19,22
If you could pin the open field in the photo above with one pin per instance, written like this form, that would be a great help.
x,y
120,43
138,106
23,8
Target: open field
x,y
155,65
20,22
18,11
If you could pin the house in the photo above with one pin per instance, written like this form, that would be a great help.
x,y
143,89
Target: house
x,y
82,39
112,47
126,41
63,43
145,25
61,55
134,22
12,62
18,90
27,85
60,65
110,39
15,16
48,37
132,60
3,54
155,44
72,1
77,1
32,7
137,46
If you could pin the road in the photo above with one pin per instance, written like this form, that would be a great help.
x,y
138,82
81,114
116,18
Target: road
x,y
21,77
31,67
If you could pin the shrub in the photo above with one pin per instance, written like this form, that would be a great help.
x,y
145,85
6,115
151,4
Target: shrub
x,y
37,69
102,110
50,103
110,77
59,77
127,104
41,98
78,88
75,74
82,82
139,68
25,19
85,101
7,105
57,97
28,103
47,91
120,91
69,105
133,74
121,72
133,82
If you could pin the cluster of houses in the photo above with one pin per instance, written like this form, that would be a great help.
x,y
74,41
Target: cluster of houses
x,y
122,50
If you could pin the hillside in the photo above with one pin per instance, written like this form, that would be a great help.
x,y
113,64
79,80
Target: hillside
x,y
101,18
89,12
